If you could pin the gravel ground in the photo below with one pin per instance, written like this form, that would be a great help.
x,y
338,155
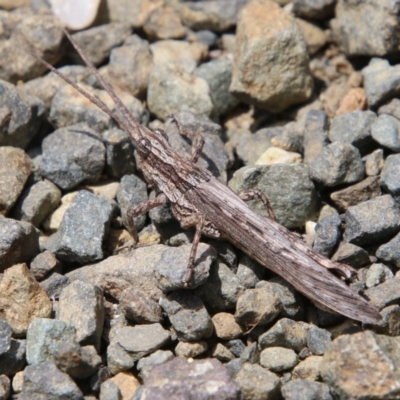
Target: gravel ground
x,y
295,98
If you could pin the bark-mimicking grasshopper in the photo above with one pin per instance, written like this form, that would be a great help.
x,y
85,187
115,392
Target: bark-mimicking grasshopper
x,y
198,199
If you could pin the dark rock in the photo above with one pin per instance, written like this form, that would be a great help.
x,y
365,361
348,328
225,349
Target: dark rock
x,y
14,359
390,251
305,389
288,187
314,9
250,272
70,158
235,346
188,316
351,254
54,284
327,234
389,325
207,37
315,134
198,379
251,354
20,242
83,228
164,220
145,364
372,221
385,294
43,264
15,168
5,337
318,340
386,131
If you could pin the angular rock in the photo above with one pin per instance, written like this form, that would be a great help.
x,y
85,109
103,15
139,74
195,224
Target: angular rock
x,y
288,187
371,221
19,242
43,264
385,293
221,353
188,316
351,254
376,274
374,162
308,369
386,131
327,234
390,181
390,251
83,228
81,305
145,364
14,359
127,384
109,390
5,337
305,389
278,359
315,134
261,26
225,326
190,349
250,272
318,340
22,299
235,346
314,9
54,285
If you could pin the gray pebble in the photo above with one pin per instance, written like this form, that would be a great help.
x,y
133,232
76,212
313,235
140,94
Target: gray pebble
x,y
145,364
376,274
251,354
190,349
390,251
54,285
288,187
119,153
318,340
351,254
45,380
258,383
385,293
226,253
278,359
43,336
386,131
164,220
235,346
5,387
81,305
70,158
234,366
43,264
389,323
327,234
285,333
372,220
390,180
15,168
315,134
374,162
5,337
132,191
109,391
207,37
354,128
83,228
20,242
250,272
188,316
14,359
337,163
221,353
138,307
315,9
392,107
305,389
381,81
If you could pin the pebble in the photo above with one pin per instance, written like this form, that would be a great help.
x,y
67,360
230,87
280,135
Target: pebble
x,y
327,234
385,131
315,134
15,168
47,381
188,316
22,299
131,192
365,190
221,353
54,284
318,340
138,307
353,128
263,30
376,274
362,357
336,164
315,37
14,359
250,272
257,382
20,242
18,381
5,337
308,369
5,386
374,162
288,187
305,389
389,176
390,251
391,108
37,202
126,383
257,307
226,327
80,241
278,359
109,390
354,100
172,89
106,188
145,364
351,254
70,158
191,349
285,333
235,346
389,323
276,155
374,219
381,81
314,10
385,293
197,379
81,305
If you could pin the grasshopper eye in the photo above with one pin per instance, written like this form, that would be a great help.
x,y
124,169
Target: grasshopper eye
x,y
144,147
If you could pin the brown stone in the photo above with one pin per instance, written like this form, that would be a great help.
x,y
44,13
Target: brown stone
x,y
354,100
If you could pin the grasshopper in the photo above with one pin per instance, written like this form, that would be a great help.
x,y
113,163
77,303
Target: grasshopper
x,y
199,199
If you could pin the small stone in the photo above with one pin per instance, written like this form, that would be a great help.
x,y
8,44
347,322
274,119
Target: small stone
x,y
315,134
83,228
365,190
305,389
5,337
374,219
197,379
353,128
257,307
251,354
109,390
318,340
374,162
81,305
354,100
288,187
191,349
127,384
275,155
45,380
386,131
315,9
389,176
234,366
14,359
54,285
236,347
315,37
107,188
188,316
250,272
20,242
221,353
327,234
22,299
362,357
389,325
207,37
376,274
351,254
225,326
381,81
308,369
278,359
5,386
257,383
385,293
43,264
285,333
18,381
15,168
145,364
336,164
261,26
172,89
390,251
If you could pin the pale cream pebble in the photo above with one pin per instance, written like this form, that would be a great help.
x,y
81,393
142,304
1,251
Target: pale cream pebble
x,y
276,155
107,189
